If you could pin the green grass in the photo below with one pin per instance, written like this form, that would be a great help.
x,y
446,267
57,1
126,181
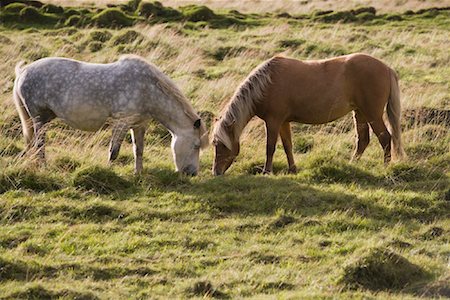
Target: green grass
x,y
78,228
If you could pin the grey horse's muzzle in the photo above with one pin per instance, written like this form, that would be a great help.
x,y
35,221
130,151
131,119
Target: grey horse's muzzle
x,y
190,170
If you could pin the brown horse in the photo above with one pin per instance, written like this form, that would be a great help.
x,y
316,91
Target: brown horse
x,y
283,90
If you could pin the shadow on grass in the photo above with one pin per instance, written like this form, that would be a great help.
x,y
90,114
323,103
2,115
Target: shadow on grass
x,y
265,195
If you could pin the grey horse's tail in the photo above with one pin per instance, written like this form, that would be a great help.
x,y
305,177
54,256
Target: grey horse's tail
x,y
25,118
393,110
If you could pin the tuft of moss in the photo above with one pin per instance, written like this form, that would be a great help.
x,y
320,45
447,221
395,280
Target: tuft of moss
x,y
27,179
393,17
196,13
157,10
303,144
291,43
71,12
405,171
332,170
8,149
127,37
33,15
204,289
52,9
338,16
14,8
66,163
365,16
37,291
100,36
381,269
74,20
99,180
95,46
112,17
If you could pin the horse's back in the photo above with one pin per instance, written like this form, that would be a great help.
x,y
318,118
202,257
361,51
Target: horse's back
x,y
319,91
82,94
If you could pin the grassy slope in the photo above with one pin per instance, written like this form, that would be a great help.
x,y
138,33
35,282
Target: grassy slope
x,y
247,235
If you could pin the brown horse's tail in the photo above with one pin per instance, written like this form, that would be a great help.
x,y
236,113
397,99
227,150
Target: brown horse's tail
x,y
393,110
25,118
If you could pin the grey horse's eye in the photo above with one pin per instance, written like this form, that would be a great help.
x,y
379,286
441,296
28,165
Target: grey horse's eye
x,y
197,146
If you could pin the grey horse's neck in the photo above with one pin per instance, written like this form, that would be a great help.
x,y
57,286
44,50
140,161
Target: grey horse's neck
x,y
172,115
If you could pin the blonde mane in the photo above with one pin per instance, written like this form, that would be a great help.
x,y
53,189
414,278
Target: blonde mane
x,y
242,105
169,88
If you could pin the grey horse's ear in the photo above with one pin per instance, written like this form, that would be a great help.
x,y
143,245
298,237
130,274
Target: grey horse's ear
x,y
197,124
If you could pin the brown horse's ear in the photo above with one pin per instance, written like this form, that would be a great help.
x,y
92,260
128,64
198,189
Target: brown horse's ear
x,y
197,124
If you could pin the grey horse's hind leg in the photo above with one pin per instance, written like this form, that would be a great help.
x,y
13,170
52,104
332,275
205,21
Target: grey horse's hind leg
x,y
39,139
137,135
118,134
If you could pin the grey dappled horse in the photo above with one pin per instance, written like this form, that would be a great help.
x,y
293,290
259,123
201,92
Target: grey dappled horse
x,y
85,95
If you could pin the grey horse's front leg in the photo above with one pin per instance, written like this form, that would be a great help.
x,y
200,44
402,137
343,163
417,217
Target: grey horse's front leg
x,y
118,134
137,134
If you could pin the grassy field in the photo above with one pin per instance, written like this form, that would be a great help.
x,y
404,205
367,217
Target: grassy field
x,y
76,229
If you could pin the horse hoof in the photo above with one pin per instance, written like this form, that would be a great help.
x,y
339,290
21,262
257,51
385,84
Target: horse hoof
x,y
292,170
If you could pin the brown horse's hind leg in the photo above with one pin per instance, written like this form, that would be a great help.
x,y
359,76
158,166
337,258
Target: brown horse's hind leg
x,y
272,131
362,134
138,147
285,134
384,137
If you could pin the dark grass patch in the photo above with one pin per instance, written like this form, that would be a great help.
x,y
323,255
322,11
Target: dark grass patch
x,y
14,7
281,221
253,168
303,144
19,270
52,9
36,291
95,46
158,11
99,180
32,15
273,286
291,43
74,20
432,233
223,52
263,258
67,164
196,13
204,289
12,241
127,37
437,289
8,149
207,118
325,169
100,36
382,270
197,244
27,179
96,212
411,171
400,244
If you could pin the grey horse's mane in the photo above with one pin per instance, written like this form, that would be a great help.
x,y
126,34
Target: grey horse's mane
x,y
242,105
169,88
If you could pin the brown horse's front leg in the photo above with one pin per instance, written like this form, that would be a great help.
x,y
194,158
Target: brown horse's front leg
x,y
285,134
272,136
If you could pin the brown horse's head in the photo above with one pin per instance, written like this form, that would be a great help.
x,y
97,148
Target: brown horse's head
x,y
226,148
